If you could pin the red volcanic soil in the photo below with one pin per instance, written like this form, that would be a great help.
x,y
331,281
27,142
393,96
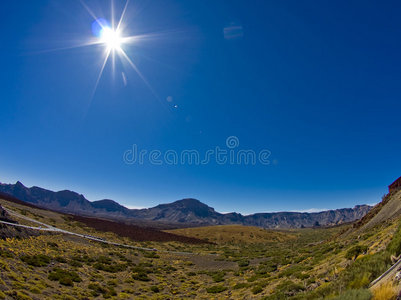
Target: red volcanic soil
x,y
135,233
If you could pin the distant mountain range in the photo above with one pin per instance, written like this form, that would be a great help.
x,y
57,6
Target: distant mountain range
x,y
186,212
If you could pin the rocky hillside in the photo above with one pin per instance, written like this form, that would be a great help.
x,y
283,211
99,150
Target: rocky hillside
x,y
194,211
7,231
188,212
388,209
4,216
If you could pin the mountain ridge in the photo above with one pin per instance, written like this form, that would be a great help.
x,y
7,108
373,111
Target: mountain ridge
x,y
188,211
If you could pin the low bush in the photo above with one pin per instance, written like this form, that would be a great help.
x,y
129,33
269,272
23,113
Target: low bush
x,y
289,288
360,273
104,260
240,285
216,289
75,263
257,289
81,259
60,259
6,254
18,295
151,254
39,260
97,289
359,294
276,296
64,277
394,247
112,282
218,276
243,263
52,245
353,252
114,268
140,276
110,292
140,273
266,268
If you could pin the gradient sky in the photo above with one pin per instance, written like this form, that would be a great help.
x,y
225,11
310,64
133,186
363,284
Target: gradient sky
x,y
315,82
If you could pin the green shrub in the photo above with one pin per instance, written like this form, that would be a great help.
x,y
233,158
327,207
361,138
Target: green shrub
x,y
360,282
151,254
34,290
114,268
243,263
141,276
168,269
104,260
77,260
364,270
355,251
66,281
293,270
301,276
216,289
39,260
18,295
6,253
113,282
257,289
394,247
110,292
218,276
96,289
360,294
240,285
75,263
266,268
276,296
64,277
60,259
52,245
289,287
154,289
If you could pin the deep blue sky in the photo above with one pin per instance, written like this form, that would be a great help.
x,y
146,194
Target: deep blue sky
x,y
315,82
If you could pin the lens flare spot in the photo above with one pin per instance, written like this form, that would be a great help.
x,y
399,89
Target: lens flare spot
x,y
98,25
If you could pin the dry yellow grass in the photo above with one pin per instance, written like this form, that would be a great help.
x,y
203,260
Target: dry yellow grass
x,y
234,234
250,262
385,292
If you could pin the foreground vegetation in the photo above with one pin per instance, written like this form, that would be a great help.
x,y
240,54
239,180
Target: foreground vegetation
x,y
240,263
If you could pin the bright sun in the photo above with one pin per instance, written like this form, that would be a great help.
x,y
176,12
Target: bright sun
x,y
111,38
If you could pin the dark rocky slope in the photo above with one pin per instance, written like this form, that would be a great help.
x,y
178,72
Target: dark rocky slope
x,y
186,212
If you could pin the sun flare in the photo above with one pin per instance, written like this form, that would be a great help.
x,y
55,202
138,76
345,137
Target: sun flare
x,y
111,38
111,35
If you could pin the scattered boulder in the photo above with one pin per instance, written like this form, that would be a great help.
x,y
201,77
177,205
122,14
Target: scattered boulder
x,y
397,276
